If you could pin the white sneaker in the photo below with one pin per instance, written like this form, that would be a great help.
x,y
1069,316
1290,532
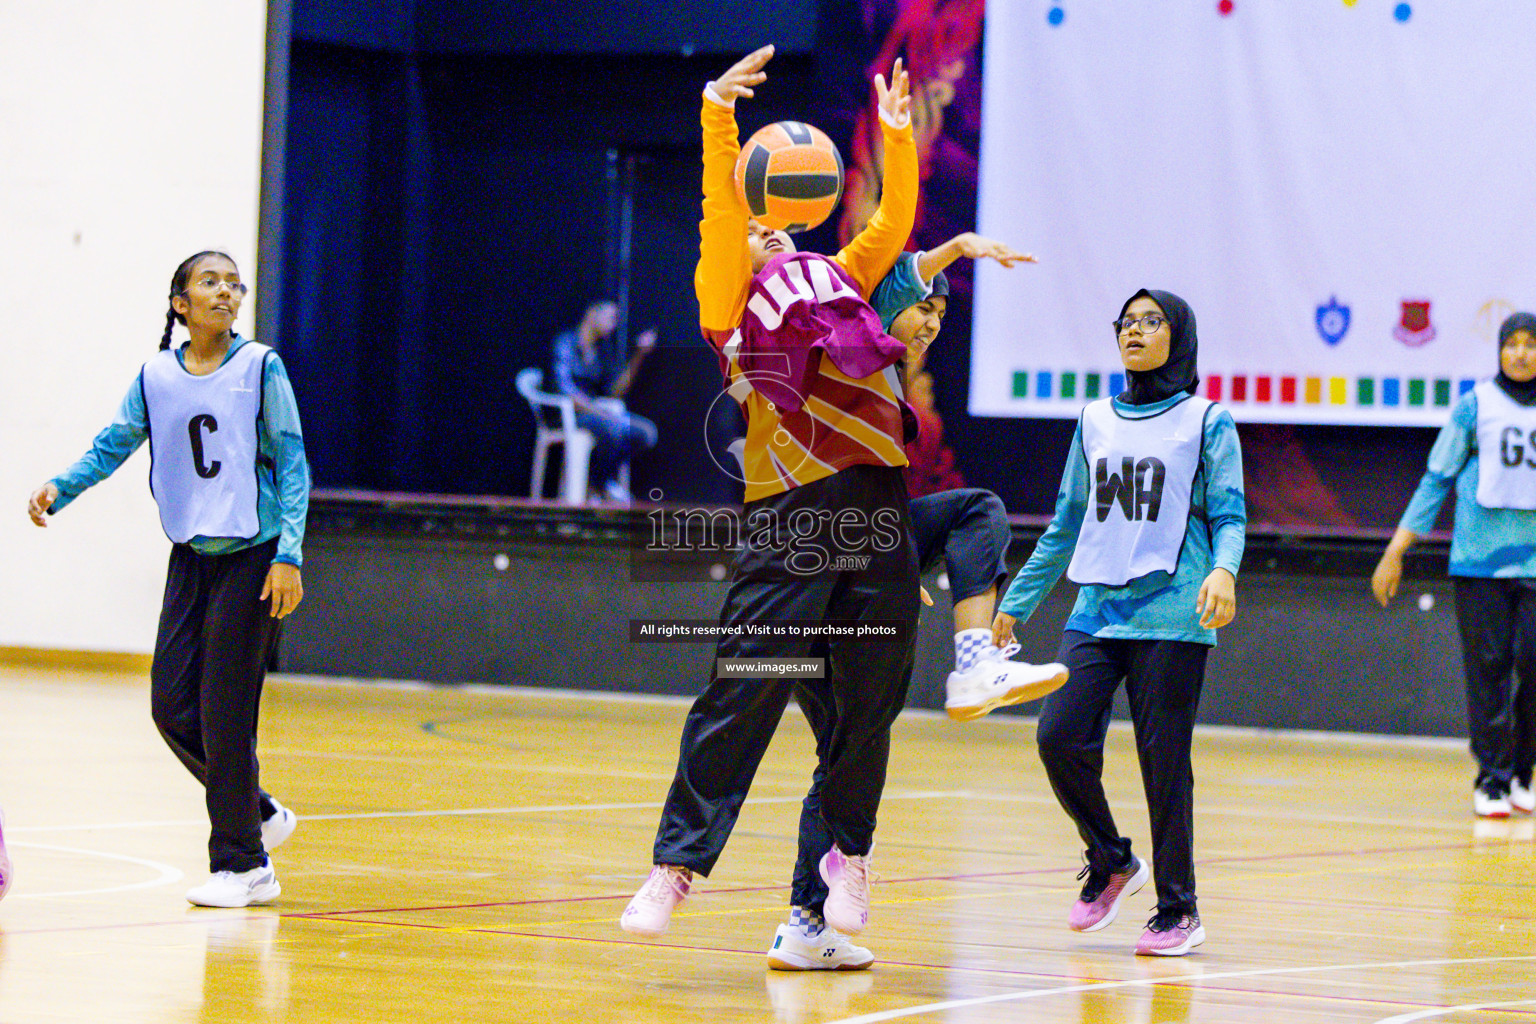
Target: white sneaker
x,y
651,909
5,861
278,827
792,950
847,878
242,889
1490,802
1521,798
994,682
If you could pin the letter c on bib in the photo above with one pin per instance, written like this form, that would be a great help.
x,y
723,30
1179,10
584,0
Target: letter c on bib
x,y
195,431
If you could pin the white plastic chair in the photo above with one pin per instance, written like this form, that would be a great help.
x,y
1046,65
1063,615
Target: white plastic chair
x,y
554,421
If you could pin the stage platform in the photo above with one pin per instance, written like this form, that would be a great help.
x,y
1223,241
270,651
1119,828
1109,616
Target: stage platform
x,y
456,589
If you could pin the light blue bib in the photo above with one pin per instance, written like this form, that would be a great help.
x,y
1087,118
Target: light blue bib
x,y
203,444
1141,476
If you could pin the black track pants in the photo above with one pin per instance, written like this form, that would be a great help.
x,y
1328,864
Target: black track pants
x,y
1163,679
205,684
730,725
1497,618
968,528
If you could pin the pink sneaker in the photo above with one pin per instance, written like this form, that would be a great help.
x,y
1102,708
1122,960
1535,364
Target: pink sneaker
x,y
5,861
1099,902
847,878
1170,935
651,909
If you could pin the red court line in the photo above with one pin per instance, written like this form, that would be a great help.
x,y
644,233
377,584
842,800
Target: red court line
x,y
977,876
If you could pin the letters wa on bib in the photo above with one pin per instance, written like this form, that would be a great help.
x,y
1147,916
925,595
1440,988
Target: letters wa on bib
x,y
1143,474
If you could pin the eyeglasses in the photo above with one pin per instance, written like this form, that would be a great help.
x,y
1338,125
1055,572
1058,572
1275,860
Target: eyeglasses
x,y
211,284
1148,323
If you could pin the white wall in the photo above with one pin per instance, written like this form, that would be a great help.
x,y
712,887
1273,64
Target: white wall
x,y
130,138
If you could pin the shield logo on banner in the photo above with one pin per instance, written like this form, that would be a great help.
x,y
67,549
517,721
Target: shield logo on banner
x,y
1333,320
1415,329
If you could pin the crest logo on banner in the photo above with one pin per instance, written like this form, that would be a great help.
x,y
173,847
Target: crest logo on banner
x,y
1415,329
1333,320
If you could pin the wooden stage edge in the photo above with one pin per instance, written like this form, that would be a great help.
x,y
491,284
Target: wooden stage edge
x,y
96,661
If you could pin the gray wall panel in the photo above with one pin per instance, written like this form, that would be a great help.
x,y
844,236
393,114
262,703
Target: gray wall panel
x,y
1307,651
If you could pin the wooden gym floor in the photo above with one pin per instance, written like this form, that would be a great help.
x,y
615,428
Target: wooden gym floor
x,y
464,855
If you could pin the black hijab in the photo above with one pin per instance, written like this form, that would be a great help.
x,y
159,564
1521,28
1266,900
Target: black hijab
x,y
1143,387
1523,392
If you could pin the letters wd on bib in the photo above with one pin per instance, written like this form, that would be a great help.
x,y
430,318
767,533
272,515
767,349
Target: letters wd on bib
x,y
1306,174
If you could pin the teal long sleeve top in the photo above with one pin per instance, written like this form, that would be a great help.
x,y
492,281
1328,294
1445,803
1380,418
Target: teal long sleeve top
x,y
1159,605
282,477
1485,542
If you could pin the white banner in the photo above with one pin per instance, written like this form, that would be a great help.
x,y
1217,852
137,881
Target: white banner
x,y
1344,192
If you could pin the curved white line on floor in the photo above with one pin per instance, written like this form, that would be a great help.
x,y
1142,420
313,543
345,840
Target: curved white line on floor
x,y
1195,978
1441,1010
168,874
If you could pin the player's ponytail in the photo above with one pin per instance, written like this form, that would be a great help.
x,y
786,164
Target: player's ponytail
x,y
170,322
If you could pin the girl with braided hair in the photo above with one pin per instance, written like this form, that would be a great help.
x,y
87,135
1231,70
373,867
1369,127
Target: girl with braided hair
x,y
228,472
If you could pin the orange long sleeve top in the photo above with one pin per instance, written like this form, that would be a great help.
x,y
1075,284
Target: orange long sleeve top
x,y
845,421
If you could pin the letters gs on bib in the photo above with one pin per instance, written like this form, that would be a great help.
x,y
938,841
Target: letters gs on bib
x,y
1517,447
195,428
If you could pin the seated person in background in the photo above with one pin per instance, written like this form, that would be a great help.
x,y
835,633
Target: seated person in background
x,y
590,369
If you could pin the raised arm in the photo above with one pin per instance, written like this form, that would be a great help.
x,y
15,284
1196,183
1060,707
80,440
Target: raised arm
x,y
645,342
972,246
874,251
725,265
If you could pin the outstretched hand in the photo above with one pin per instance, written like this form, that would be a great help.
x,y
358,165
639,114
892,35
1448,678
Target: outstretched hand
x,y
976,247
743,75
895,99
41,501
